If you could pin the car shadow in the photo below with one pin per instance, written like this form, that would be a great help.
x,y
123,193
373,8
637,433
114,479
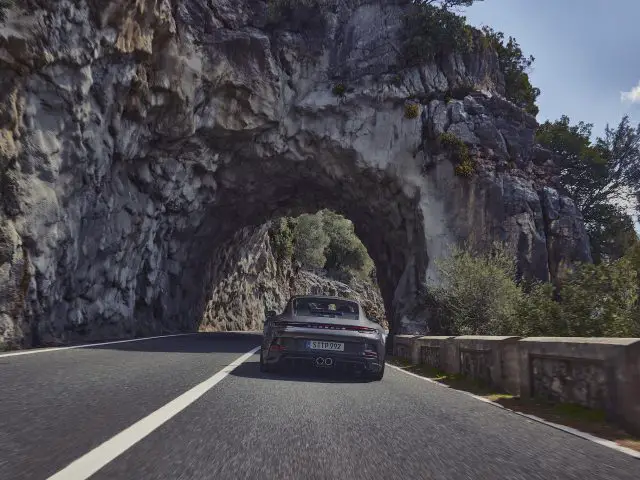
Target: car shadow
x,y
298,374
210,342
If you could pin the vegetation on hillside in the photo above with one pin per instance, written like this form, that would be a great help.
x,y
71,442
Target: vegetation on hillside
x,y
478,294
323,241
515,66
434,27
602,177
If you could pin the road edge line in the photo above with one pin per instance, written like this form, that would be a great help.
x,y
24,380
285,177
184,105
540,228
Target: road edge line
x,y
586,436
87,345
88,464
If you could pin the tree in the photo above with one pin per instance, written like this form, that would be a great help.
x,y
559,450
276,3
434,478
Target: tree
x,y
600,300
515,67
477,291
477,294
612,234
310,242
433,28
620,149
599,177
344,253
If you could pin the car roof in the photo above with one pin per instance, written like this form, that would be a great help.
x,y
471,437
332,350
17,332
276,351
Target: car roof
x,y
328,297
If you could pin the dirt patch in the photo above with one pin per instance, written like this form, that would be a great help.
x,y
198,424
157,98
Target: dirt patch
x,y
575,416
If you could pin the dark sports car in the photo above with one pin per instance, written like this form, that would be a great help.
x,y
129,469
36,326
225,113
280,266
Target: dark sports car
x,y
325,332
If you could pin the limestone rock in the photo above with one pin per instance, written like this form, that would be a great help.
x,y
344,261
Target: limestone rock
x,y
139,139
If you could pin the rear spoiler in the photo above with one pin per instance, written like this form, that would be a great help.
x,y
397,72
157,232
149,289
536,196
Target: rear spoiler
x,y
325,326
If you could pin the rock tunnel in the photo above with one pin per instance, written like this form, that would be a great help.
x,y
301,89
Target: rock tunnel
x,y
142,151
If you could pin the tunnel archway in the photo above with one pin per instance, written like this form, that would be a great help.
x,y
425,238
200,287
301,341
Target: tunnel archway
x,y
253,190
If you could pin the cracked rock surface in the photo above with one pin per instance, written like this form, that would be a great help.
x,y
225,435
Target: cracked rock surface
x,y
144,143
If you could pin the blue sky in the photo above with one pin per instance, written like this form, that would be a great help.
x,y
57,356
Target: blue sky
x,y
586,54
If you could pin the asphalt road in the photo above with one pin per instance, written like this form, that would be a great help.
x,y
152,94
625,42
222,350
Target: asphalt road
x,y
57,406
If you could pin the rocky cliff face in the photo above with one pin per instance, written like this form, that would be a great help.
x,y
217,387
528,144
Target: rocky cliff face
x,y
254,281
137,138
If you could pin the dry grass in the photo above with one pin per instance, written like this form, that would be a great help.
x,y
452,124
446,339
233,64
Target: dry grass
x,y
575,416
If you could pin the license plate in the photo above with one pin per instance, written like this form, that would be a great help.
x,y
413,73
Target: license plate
x,y
320,345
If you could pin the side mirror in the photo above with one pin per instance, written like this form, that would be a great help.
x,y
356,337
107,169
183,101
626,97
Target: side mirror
x,y
270,314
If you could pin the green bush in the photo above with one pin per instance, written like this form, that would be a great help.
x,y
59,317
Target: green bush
x,y
411,110
600,300
310,241
325,240
339,90
478,294
282,239
465,165
476,291
434,29
514,66
345,253
465,169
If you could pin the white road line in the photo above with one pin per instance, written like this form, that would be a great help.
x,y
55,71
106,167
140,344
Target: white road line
x,y
87,345
90,463
572,431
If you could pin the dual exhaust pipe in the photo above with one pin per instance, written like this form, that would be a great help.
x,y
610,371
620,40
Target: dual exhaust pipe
x,y
324,362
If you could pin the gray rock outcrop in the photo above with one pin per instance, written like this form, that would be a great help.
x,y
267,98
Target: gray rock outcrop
x,y
137,139
255,281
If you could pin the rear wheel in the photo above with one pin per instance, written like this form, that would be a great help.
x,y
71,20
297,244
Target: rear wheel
x,y
377,376
263,366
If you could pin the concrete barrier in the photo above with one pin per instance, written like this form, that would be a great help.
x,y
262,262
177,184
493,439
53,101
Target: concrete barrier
x,y
602,373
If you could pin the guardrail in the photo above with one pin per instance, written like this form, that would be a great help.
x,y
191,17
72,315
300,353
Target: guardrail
x,y
601,373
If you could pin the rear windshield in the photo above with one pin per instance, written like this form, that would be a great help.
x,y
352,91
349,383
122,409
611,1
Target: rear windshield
x,y
325,307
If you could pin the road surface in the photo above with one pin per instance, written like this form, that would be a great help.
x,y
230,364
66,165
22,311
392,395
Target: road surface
x,y
70,407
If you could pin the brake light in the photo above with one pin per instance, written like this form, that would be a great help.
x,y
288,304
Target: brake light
x,y
358,328
276,347
326,326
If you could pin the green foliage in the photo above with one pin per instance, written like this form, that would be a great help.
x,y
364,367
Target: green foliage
x,y
310,242
514,66
281,235
465,164
478,294
465,169
433,28
598,175
324,240
345,253
599,300
411,110
339,89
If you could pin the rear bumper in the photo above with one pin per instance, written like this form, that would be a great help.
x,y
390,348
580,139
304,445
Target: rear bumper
x,y
340,361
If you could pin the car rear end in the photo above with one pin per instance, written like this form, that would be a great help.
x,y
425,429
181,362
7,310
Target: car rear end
x,y
331,339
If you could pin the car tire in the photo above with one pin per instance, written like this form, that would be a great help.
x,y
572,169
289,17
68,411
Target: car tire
x,y
263,366
377,376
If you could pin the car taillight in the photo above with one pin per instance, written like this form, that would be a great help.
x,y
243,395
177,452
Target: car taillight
x,y
358,328
277,345
370,351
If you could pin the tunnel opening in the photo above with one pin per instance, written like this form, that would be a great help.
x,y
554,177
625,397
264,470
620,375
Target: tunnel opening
x,y
229,239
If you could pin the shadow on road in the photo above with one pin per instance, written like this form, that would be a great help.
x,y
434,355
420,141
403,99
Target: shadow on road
x,y
297,374
216,342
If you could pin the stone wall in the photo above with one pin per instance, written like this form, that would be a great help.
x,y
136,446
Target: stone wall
x,y
599,373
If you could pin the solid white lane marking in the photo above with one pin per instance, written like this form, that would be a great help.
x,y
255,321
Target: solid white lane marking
x,y
90,463
572,431
87,345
